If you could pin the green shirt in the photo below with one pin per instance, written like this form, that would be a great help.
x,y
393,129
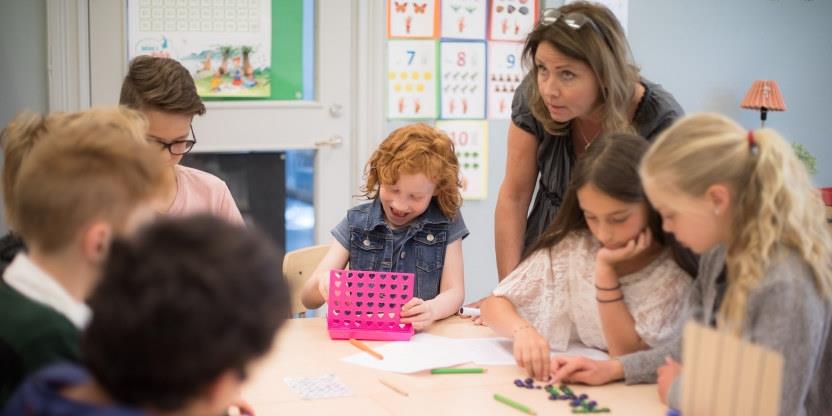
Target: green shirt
x,y
32,335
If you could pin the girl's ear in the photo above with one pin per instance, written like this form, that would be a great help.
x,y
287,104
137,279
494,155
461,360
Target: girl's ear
x,y
718,196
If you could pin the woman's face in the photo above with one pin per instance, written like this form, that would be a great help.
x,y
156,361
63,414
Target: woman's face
x,y
568,86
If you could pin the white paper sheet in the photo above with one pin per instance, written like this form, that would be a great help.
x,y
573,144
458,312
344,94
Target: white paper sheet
x,y
426,351
413,356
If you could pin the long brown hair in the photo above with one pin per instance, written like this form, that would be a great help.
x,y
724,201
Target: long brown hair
x,y
603,46
611,165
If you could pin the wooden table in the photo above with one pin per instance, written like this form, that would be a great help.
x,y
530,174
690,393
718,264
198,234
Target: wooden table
x,y
304,349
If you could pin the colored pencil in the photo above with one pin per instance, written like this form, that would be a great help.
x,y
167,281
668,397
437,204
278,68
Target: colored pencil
x,y
363,347
393,387
512,403
457,371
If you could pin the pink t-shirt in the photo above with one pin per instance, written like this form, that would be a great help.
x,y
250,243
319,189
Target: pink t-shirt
x,y
202,192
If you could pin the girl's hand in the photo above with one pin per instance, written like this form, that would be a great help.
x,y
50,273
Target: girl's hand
x,y
633,248
323,287
419,313
667,374
531,351
585,370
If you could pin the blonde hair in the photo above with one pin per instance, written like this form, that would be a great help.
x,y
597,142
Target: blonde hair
x,y
93,165
412,149
775,202
605,50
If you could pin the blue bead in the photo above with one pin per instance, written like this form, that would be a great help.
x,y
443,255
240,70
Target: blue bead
x,y
553,397
583,397
529,381
575,403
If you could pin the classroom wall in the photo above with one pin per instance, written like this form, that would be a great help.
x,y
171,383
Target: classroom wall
x,y
707,53
23,63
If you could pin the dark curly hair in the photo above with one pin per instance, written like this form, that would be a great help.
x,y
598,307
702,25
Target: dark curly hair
x,y
178,305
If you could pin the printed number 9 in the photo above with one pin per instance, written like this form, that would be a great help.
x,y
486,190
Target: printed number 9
x,y
510,60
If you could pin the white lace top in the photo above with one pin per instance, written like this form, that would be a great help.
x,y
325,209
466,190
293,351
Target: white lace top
x,y
554,289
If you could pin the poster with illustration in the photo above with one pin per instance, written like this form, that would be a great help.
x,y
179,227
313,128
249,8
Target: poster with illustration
x,y
470,139
412,19
225,44
411,79
512,19
463,19
462,82
505,72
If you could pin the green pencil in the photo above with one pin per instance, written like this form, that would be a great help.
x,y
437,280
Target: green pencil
x,y
457,371
512,403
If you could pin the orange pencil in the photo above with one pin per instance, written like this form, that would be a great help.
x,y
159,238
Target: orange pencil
x,y
362,346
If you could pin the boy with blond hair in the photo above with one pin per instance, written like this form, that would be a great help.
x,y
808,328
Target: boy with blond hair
x,y
89,177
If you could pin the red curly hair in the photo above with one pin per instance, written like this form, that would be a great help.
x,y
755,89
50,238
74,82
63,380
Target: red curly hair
x,y
413,149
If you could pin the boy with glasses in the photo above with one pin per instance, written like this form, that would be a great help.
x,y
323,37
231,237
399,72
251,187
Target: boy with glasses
x,y
164,91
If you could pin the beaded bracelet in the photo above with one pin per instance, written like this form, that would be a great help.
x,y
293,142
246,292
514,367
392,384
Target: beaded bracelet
x,y
609,300
608,288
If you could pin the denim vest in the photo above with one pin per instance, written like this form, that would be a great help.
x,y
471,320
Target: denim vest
x,y
422,251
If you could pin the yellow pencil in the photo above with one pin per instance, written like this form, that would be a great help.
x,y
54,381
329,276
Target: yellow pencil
x,y
393,387
362,346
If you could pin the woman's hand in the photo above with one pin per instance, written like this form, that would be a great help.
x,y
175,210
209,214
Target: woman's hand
x,y
585,370
667,375
531,351
418,312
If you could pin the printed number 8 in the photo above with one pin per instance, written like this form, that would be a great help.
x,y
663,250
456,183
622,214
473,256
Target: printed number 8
x,y
460,59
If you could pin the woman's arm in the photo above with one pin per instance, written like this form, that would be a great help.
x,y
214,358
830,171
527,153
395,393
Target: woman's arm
x,y
514,199
531,350
316,289
451,292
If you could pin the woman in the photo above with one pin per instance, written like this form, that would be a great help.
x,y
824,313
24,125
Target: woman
x,y
582,83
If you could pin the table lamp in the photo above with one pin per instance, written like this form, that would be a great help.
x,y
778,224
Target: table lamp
x,y
764,95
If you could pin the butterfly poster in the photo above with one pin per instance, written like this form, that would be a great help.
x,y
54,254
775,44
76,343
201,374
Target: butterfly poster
x,y
505,72
470,139
462,83
463,19
412,19
512,19
411,79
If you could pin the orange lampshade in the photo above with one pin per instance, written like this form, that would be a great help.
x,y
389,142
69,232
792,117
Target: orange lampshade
x,y
764,94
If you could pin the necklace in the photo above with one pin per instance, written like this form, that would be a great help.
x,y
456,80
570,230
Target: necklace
x,y
583,136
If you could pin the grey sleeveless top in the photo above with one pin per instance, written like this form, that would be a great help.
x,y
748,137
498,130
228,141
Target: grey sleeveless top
x,y
555,155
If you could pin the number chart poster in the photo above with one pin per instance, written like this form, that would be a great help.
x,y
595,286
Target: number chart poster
x,y
225,44
412,19
462,86
470,139
512,19
411,79
505,72
463,19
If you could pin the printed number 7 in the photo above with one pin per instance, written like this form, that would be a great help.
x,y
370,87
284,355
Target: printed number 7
x,y
410,54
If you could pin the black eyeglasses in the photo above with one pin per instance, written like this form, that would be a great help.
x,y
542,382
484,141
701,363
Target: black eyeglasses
x,y
177,147
573,20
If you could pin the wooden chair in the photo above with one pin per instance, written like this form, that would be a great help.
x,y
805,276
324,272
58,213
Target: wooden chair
x,y
298,266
